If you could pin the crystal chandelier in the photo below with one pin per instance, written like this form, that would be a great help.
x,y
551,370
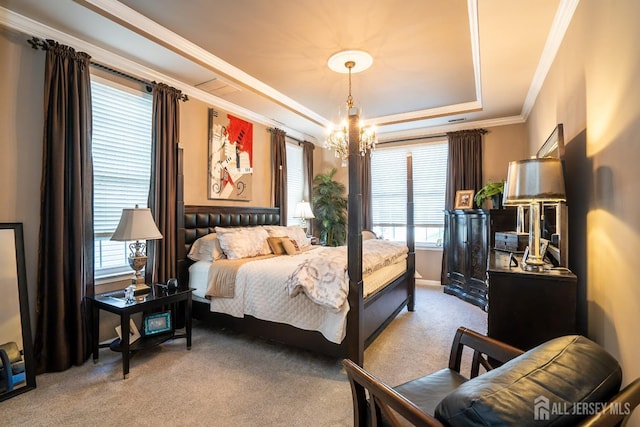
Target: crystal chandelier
x,y
338,137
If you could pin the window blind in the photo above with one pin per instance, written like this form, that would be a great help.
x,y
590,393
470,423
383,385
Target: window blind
x,y
121,165
389,184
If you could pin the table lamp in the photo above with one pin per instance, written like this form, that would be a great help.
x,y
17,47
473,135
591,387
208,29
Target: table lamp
x,y
137,224
532,182
303,211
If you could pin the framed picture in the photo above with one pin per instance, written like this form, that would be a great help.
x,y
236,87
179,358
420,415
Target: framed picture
x,y
157,323
554,145
464,199
134,333
230,169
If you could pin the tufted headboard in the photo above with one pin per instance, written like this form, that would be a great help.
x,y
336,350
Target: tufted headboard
x,y
197,221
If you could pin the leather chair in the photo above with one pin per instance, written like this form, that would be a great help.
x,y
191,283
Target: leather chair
x,y
11,366
566,381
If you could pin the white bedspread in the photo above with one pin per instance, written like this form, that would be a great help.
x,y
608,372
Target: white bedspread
x,y
261,292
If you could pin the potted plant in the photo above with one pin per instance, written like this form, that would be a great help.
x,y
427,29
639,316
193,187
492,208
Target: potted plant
x,y
330,208
493,191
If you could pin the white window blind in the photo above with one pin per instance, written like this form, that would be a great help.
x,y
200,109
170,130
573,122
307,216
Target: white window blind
x,y
295,180
389,190
121,166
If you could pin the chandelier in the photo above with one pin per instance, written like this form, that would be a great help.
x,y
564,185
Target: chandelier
x,y
338,137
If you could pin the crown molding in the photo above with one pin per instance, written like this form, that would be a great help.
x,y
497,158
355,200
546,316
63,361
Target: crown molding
x,y
559,26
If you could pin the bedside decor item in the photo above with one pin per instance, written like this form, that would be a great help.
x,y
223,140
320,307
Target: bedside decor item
x,y
157,323
533,182
134,333
491,191
464,199
303,211
137,224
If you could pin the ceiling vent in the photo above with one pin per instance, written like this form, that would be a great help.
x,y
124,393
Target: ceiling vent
x,y
218,87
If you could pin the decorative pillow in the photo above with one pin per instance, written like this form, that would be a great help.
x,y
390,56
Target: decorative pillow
x,y
295,232
275,243
368,235
291,246
206,248
243,242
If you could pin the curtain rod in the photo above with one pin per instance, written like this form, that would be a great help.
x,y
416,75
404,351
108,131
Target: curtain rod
x,y
393,141
299,141
37,43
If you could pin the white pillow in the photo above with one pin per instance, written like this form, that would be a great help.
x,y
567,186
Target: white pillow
x,y
206,248
295,232
243,242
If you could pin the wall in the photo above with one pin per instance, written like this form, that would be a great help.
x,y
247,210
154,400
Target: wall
x,y
194,140
21,118
594,90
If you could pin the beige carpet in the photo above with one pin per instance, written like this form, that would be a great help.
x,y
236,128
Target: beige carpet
x,y
232,380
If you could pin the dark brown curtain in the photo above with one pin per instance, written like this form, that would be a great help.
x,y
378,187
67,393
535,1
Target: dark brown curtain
x,y
162,258
65,257
307,153
279,171
464,172
367,214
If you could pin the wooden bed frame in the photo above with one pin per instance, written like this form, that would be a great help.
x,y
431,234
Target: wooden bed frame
x,y
366,317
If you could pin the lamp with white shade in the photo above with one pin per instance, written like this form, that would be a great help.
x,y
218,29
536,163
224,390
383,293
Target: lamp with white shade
x,y
304,212
532,182
137,224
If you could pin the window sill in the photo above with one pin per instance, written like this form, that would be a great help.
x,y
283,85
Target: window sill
x,y
424,247
112,280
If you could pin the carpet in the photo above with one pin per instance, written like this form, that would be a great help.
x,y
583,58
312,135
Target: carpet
x,y
229,379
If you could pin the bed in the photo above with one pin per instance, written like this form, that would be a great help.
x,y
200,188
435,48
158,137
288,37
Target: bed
x,y
365,318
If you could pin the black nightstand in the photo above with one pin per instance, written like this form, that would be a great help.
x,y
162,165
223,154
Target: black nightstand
x,y
158,298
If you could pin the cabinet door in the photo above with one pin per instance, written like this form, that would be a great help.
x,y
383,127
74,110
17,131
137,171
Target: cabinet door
x,y
478,234
458,251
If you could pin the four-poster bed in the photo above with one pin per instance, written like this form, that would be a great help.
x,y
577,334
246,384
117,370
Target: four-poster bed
x,y
366,317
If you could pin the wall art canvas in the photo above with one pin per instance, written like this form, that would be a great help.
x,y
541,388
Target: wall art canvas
x,y
230,158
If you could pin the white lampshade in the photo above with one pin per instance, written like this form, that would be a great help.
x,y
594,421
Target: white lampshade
x,y
136,224
532,180
303,210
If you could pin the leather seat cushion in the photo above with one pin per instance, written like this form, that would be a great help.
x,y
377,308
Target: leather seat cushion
x,y
560,372
439,384
11,348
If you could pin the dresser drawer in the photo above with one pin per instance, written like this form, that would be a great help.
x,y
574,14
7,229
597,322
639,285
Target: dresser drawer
x,y
511,241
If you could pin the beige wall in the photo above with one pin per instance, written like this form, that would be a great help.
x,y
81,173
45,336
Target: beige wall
x,y
21,118
593,88
194,140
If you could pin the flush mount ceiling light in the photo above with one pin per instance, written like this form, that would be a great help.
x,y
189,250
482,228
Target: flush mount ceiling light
x,y
349,61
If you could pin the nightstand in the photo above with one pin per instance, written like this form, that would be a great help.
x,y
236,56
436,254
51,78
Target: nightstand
x,y
157,299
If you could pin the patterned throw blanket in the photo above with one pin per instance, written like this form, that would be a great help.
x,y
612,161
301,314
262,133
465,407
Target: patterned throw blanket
x,y
324,278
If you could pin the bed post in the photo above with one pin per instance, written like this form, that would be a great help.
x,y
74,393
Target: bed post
x,y
411,256
355,317
180,267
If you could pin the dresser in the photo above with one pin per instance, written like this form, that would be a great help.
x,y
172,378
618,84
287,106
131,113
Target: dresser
x,y
528,308
469,236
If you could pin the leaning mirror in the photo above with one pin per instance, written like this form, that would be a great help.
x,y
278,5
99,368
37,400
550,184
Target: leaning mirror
x,y
17,372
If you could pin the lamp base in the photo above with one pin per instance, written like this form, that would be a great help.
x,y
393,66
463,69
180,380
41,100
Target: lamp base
x,y
533,267
141,288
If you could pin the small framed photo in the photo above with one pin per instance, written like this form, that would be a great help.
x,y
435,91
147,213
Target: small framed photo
x,y
134,333
464,199
157,323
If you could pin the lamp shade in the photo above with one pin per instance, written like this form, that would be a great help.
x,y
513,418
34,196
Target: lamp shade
x,y
303,210
534,180
136,224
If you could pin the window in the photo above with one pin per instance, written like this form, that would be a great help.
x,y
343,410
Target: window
x,y
389,191
295,180
121,166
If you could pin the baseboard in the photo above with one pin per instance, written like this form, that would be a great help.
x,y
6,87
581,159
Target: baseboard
x,y
425,282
